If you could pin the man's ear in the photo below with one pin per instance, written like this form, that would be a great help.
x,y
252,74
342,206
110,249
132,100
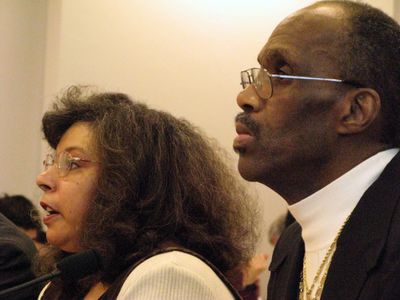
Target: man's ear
x,y
360,108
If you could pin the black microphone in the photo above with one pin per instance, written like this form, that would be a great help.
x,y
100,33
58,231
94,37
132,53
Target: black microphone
x,y
75,266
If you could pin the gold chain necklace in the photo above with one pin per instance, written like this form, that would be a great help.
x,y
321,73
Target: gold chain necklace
x,y
321,274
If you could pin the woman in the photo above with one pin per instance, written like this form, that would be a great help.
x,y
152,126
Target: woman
x,y
129,181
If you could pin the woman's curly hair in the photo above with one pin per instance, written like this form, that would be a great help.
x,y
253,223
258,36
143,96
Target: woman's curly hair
x,y
160,181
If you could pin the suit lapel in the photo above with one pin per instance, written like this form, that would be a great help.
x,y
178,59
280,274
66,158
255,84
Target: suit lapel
x,y
286,265
296,263
363,237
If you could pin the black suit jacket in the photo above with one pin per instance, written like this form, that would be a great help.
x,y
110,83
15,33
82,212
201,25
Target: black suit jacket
x,y
366,263
16,253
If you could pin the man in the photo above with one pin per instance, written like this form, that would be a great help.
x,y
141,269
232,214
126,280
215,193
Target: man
x,y
321,126
23,213
16,253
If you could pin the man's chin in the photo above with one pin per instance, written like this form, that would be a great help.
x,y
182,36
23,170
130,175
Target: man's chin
x,y
248,170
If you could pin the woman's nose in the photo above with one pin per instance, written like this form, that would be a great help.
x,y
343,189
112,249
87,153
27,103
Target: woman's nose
x,y
46,180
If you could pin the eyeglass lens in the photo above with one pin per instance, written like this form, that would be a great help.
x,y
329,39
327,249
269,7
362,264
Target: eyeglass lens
x,y
245,79
48,161
262,83
62,162
260,79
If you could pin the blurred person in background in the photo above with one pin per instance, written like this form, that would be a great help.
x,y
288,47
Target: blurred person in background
x,y
17,251
23,213
251,276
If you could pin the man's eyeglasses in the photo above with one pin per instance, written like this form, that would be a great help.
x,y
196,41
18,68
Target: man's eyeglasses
x,y
262,80
64,162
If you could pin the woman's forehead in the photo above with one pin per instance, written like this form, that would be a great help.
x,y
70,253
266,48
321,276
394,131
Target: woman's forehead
x,y
79,137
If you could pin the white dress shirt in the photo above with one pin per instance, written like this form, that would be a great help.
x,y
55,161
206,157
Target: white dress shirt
x,y
322,214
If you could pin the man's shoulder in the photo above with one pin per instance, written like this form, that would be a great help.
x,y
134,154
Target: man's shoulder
x,y
13,240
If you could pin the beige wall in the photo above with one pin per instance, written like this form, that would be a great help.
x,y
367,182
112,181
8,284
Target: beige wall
x,y
178,55
387,6
22,32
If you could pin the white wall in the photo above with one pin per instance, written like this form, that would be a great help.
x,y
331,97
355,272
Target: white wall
x,y
178,55
387,6
22,25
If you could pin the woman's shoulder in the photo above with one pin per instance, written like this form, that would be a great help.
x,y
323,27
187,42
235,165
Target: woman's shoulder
x,y
174,275
44,290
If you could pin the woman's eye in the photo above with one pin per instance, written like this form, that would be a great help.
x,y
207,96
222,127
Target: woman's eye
x,y
74,164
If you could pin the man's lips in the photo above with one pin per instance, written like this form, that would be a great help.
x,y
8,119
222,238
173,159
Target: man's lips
x,y
244,136
242,129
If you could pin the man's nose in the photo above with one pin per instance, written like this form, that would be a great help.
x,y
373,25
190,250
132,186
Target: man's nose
x,y
248,100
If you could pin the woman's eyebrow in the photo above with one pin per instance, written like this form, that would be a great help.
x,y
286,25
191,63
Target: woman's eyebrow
x,y
78,149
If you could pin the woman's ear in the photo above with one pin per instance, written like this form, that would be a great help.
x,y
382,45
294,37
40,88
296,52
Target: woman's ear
x,y
360,109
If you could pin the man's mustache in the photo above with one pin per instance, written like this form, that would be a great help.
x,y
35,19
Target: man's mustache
x,y
246,120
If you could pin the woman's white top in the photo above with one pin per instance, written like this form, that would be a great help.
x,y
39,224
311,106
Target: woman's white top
x,y
173,275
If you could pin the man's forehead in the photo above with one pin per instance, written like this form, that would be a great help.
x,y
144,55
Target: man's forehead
x,y
325,10
312,17
312,30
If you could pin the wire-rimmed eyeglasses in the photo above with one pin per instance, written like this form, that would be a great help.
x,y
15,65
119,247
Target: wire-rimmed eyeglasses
x,y
262,80
64,162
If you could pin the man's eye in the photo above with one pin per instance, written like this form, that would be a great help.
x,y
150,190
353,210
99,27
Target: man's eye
x,y
284,71
281,72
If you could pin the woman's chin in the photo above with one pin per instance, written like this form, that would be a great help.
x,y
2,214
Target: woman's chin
x,y
66,246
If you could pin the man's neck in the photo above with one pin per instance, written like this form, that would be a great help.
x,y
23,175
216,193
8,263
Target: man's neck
x,y
298,185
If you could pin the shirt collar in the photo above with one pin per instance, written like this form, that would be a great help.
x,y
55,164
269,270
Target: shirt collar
x,y
322,214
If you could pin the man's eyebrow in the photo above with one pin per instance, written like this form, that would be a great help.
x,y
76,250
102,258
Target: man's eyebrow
x,y
276,56
269,55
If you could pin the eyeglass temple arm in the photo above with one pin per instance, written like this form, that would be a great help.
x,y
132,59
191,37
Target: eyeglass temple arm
x,y
306,78
350,82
